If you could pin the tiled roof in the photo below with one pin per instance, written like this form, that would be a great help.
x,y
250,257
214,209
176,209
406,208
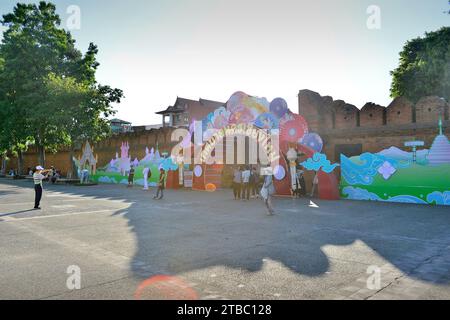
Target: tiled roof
x,y
183,104
119,121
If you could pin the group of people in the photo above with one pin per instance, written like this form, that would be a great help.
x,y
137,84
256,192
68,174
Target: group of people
x,y
147,175
248,183
52,175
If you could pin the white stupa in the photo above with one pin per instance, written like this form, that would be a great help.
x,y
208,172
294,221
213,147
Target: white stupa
x,y
440,150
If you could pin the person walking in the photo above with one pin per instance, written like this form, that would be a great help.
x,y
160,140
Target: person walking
x,y
268,190
39,175
162,178
237,178
131,177
246,184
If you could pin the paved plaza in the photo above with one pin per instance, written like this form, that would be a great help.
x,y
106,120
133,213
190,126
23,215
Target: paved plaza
x,y
216,247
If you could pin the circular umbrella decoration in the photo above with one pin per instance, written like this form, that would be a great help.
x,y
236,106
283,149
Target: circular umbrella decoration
x,y
235,100
198,171
279,107
293,130
267,121
313,141
279,173
242,114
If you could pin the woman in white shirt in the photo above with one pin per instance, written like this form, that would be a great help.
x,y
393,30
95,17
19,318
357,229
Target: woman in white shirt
x,y
268,190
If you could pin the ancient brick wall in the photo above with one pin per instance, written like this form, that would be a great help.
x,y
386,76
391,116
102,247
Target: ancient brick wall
x,y
372,115
374,127
400,111
105,150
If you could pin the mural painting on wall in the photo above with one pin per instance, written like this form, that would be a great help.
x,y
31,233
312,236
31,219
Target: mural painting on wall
x,y
243,115
395,175
146,169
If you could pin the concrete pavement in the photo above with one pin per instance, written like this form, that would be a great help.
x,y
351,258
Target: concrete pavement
x,y
216,247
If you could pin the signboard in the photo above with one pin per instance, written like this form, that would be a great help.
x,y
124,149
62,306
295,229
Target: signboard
x,y
188,176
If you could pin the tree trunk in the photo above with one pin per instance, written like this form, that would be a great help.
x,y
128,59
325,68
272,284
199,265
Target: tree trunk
x,y
20,162
3,170
41,150
73,169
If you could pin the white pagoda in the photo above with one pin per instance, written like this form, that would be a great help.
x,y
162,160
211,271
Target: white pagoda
x,y
440,150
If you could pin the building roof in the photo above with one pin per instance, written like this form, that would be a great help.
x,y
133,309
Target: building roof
x,y
119,121
189,105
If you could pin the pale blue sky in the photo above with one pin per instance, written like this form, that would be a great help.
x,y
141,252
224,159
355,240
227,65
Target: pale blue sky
x,y
157,49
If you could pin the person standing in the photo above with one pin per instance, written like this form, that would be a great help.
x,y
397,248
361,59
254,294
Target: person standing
x,y
146,172
84,175
315,184
162,178
131,177
38,176
254,182
246,184
237,178
53,175
267,191
301,180
297,190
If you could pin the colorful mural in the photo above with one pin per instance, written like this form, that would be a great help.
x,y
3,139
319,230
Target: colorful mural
x,y
246,110
242,114
394,175
116,171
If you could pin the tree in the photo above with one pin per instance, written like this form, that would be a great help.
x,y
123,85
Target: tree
x,y
86,108
424,67
14,135
47,83
33,46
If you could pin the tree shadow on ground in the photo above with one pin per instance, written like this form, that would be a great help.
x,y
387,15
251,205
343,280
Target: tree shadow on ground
x,y
192,230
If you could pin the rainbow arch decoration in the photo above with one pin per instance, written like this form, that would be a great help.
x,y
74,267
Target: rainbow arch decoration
x,y
243,110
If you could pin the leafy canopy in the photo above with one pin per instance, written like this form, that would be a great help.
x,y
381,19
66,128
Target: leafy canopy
x,y
48,90
424,68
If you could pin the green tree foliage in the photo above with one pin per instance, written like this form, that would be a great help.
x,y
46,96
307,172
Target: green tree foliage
x,y
47,86
85,109
424,68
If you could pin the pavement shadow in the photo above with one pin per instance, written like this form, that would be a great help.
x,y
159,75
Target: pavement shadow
x,y
190,230
16,213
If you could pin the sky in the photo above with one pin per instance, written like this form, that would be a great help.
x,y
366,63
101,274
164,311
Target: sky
x,y
156,50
